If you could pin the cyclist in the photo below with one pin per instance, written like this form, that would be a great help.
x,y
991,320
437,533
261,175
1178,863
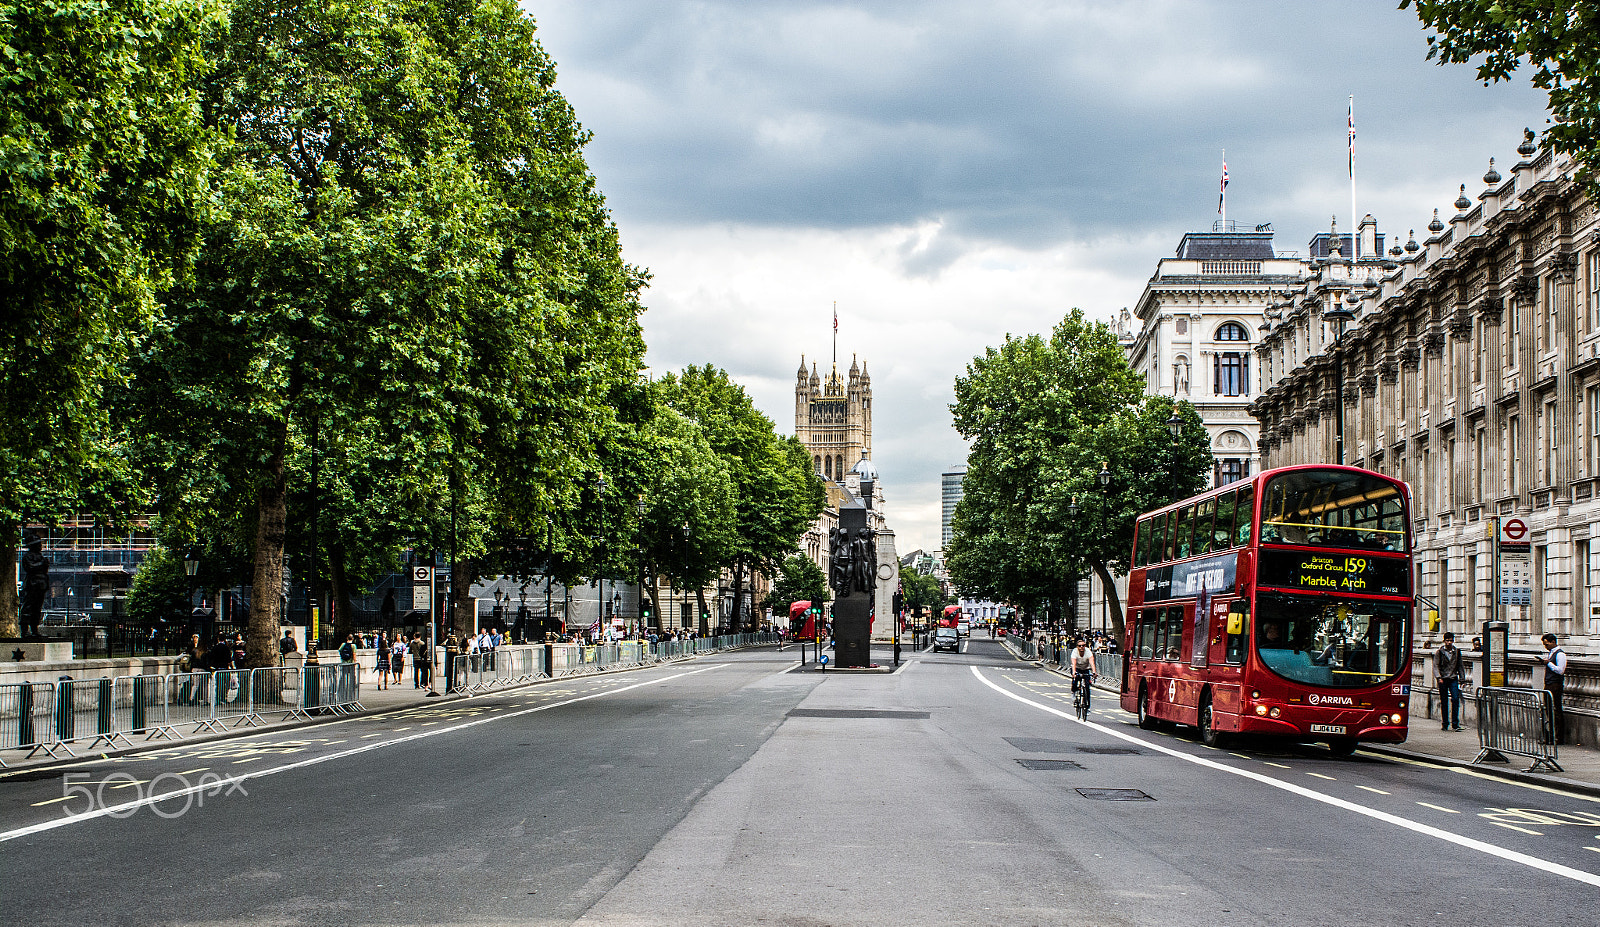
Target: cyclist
x,y
1080,663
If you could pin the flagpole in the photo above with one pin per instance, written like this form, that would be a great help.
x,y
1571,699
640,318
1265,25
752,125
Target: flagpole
x,y
1222,203
1355,220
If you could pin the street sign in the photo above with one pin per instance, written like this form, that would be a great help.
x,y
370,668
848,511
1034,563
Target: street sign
x,y
1514,557
422,574
422,588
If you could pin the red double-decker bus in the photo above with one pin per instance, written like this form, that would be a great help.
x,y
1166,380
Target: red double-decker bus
x,y
1277,605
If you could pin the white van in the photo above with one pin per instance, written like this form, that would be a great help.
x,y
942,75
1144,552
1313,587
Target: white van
x,y
964,628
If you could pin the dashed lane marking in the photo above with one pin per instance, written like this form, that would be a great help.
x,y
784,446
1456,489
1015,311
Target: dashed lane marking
x,y
1515,827
1321,776
1545,866
41,804
1371,789
1279,765
1438,808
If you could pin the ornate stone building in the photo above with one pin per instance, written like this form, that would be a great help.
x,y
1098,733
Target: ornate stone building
x,y
833,417
1472,371
1196,328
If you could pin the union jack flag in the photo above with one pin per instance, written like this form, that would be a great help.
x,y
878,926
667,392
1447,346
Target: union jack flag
x,y
1222,193
1352,122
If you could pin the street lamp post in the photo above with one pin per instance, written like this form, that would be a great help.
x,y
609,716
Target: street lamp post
x,y
191,564
1175,429
600,583
1340,314
642,508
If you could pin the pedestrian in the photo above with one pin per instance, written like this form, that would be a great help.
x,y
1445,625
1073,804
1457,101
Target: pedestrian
x,y
397,658
380,660
1447,673
347,650
1477,645
1555,679
286,647
419,662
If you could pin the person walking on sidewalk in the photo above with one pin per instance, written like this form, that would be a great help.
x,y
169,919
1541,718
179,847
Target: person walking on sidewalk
x,y
1555,680
419,662
380,659
1447,673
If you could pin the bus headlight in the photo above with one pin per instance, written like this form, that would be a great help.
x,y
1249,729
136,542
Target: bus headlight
x,y
1254,694
1261,709
1273,712
1395,718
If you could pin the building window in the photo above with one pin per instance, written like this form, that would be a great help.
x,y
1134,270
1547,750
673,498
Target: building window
x,y
1232,331
1549,319
1233,470
1480,460
1182,325
1513,457
1229,373
1549,445
1592,404
1592,264
1447,479
1477,352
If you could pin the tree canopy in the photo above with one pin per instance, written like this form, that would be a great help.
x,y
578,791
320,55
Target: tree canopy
x,y
1558,39
1043,416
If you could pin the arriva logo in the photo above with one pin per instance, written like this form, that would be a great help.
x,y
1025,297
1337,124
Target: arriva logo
x,y
1315,699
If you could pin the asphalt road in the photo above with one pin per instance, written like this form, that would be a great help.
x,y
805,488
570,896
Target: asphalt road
x,y
739,789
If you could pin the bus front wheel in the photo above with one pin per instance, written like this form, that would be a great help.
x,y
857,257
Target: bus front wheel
x,y
1344,746
1146,723
1209,735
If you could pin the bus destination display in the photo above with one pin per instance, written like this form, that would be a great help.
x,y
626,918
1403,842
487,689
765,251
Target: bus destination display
x,y
1332,572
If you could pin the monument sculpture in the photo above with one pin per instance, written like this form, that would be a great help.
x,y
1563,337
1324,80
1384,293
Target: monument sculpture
x,y
35,586
852,574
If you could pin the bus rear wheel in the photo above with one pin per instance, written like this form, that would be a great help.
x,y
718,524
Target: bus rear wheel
x,y
1146,723
1343,746
1209,735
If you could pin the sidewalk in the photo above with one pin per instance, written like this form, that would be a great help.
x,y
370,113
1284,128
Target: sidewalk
x,y
373,702
1580,765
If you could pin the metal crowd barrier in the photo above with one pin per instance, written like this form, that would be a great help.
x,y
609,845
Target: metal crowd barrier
x,y
1516,721
49,717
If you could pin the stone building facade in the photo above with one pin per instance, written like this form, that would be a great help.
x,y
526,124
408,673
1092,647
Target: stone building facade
x,y
1193,331
833,417
1471,371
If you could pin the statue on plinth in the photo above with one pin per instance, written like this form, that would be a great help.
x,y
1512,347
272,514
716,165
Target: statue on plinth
x,y
35,586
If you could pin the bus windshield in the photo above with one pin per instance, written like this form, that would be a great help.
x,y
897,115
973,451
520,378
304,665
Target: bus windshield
x,y
1333,508
1327,641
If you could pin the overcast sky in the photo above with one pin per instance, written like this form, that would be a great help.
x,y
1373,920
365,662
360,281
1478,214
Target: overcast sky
x,y
953,172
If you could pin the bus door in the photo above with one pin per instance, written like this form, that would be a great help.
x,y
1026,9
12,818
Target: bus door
x,y
1225,652
1168,653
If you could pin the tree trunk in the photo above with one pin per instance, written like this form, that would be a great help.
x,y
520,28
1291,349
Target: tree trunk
x,y
736,623
464,611
266,603
1112,597
344,618
10,617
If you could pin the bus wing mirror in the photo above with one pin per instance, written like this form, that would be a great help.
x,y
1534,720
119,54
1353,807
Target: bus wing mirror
x,y
1236,622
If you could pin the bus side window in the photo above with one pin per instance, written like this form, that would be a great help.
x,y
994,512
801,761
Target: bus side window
x,y
1237,631
1202,526
1141,548
1180,542
1160,548
1223,532
1244,515
1173,635
1147,632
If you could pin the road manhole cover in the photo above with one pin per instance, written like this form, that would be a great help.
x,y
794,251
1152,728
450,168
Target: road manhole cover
x,y
1114,794
857,713
1029,763
1039,745
1109,751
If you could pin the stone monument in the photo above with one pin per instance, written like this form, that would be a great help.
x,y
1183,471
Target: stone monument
x,y
853,577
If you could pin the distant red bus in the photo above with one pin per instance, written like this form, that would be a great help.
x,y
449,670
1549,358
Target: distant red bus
x,y
802,623
1276,605
950,617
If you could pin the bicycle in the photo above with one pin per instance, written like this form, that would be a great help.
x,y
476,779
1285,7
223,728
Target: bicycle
x,y
1080,695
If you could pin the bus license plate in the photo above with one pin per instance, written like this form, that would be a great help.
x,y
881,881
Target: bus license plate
x,y
1327,729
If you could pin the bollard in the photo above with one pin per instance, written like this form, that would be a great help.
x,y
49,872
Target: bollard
x,y
25,715
64,714
141,692
103,705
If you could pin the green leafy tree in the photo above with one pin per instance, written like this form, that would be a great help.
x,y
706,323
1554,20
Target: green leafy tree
x,y
412,282
920,591
776,496
103,160
798,580
1043,415
1555,38
160,590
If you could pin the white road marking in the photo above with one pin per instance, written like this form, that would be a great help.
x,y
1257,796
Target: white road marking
x,y
1439,808
1532,862
1371,789
1536,833
123,809
1321,776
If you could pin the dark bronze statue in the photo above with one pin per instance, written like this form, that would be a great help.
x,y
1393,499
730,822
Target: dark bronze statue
x,y
852,560
35,586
